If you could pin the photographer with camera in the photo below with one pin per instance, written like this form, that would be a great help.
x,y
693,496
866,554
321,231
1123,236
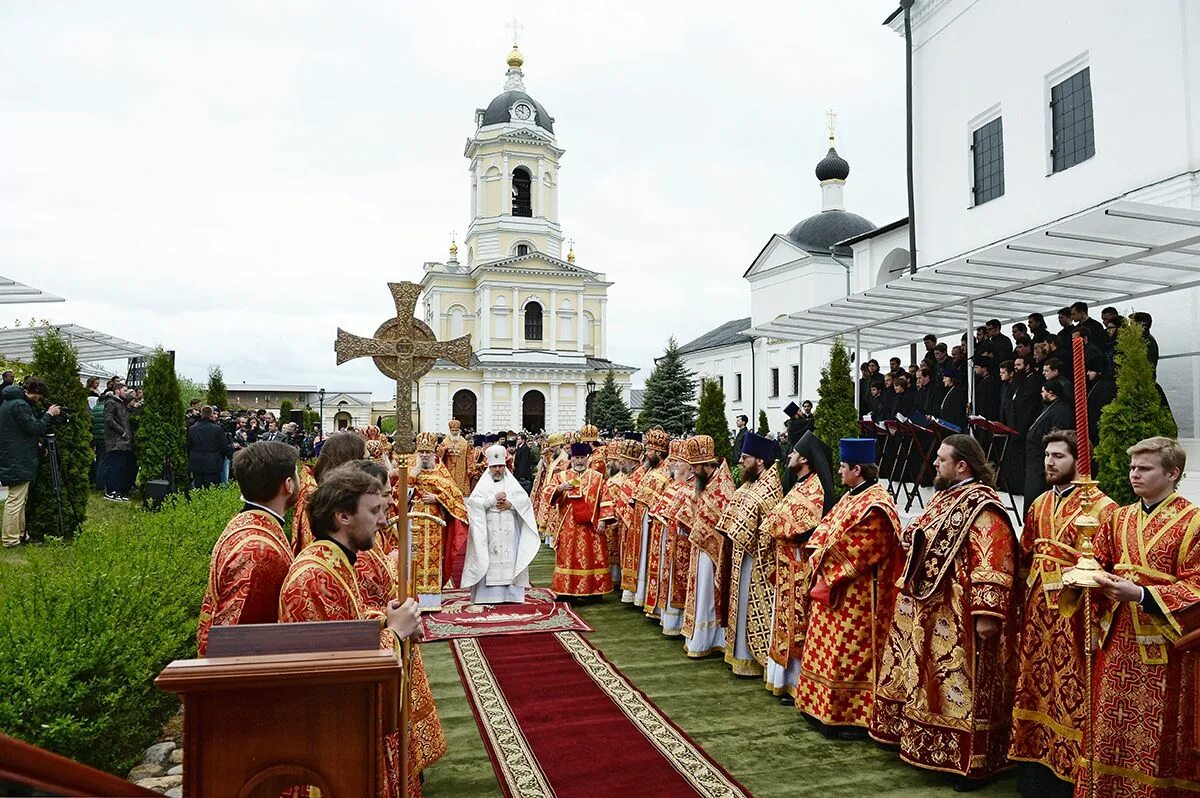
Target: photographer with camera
x,y
118,445
19,433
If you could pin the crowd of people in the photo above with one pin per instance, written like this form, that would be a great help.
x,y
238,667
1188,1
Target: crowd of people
x,y
1024,381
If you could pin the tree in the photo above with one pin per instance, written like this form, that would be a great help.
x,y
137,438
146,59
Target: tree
x,y
711,419
162,429
764,424
285,412
190,389
56,361
609,411
670,390
1136,413
217,395
836,417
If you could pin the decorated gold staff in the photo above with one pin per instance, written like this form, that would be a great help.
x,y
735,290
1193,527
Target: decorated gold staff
x,y
403,348
1083,575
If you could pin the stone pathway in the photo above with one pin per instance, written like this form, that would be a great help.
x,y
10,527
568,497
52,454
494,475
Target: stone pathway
x,y
161,768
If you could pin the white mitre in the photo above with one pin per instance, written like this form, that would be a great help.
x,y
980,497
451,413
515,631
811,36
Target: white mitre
x,y
496,455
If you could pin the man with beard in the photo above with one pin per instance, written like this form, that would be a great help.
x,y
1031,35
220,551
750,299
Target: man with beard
x,y
437,551
454,454
707,599
953,409
1051,706
252,556
662,540
580,549
1057,413
945,682
502,540
853,563
554,462
635,544
791,524
752,564
616,513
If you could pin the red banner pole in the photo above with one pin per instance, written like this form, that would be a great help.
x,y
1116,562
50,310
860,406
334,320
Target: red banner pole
x,y
1083,441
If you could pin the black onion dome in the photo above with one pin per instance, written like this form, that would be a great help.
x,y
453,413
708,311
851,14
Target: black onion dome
x,y
497,111
833,167
819,232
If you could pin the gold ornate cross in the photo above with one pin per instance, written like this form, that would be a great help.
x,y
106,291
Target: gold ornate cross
x,y
404,348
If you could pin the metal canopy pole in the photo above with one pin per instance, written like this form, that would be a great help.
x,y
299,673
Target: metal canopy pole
x,y
856,371
970,375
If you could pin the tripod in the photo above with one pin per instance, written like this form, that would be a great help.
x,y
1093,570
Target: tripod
x,y
56,483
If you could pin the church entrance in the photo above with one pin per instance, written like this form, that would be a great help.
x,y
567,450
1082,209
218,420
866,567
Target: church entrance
x,y
463,410
533,412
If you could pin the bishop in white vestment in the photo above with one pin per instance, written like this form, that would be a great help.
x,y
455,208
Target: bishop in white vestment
x,y
503,537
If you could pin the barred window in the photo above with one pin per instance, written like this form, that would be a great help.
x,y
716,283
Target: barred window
x,y
987,151
795,380
1071,119
774,382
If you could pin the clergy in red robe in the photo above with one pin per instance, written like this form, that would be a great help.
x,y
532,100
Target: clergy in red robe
x,y
752,567
347,511
666,584
455,454
635,544
437,552
580,548
252,556
854,558
707,592
616,513
946,675
1050,710
661,531
590,435
545,509
338,449
791,524
1144,705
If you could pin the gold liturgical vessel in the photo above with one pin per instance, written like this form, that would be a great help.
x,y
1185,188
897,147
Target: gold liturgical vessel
x,y
1085,570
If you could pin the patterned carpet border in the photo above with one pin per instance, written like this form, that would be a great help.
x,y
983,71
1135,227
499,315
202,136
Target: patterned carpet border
x,y
459,618
514,760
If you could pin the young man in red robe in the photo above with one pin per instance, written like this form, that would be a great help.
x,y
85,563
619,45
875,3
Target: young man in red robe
x,y
438,552
1144,705
347,511
647,487
580,549
252,556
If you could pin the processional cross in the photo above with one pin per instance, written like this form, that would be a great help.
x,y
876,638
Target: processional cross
x,y
404,348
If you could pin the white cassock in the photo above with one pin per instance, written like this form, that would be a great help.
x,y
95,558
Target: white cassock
x,y
500,543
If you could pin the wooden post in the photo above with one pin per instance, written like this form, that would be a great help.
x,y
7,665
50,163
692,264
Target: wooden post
x,y
404,588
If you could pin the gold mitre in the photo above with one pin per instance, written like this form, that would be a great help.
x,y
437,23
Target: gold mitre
x,y
699,450
556,439
658,440
455,425
589,433
427,442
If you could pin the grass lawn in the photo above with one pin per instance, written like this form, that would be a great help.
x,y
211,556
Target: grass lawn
x,y
765,745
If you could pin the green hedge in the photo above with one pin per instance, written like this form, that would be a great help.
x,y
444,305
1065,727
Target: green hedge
x,y
86,626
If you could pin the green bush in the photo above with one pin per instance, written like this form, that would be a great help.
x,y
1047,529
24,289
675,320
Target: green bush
x,y
217,394
85,627
711,419
835,417
285,412
162,428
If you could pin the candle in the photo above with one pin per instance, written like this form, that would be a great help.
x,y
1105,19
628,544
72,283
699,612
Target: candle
x,y
1083,443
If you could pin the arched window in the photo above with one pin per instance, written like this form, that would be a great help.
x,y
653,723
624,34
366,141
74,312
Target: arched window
x,y
533,322
458,320
522,202
522,249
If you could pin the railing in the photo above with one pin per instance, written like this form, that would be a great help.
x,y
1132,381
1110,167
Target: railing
x,y
25,768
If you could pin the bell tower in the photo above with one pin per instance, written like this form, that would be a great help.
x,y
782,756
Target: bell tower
x,y
514,164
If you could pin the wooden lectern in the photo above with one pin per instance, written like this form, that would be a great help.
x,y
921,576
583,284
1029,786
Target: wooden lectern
x,y
286,705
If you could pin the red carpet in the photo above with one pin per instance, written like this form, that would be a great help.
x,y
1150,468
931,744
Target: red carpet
x,y
558,719
459,618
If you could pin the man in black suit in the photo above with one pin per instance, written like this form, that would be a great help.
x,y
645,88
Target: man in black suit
x,y
208,446
1057,413
740,435
523,463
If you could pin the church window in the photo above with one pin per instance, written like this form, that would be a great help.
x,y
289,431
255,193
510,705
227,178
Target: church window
x,y
737,387
522,197
533,322
774,382
721,382
458,321
987,154
795,380
1071,120
522,249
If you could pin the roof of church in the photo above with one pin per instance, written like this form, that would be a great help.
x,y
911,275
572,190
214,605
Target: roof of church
x,y
832,167
819,232
637,399
497,111
593,363
731,332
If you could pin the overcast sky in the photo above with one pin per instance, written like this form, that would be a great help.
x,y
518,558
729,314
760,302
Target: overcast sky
x,y
234,180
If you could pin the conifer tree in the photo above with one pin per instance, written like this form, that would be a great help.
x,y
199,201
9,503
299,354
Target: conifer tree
x,y
835,416
285,412
217,396
609,411
56,361
1136,413
162,428
764,424
711,419
670,391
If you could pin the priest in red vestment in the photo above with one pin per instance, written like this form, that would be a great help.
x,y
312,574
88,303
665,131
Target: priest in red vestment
x,y
545,509
946,675
252,556
347,511
1050,710
616,513
854,558
706,600
438,552
647,488
338,449
455,454
1144,705
662,527
580,548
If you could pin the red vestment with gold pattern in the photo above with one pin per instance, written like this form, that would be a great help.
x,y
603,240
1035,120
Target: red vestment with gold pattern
x,y
249,562
944,694
455,454
789,524
853,565
546,510
683,512
437,553
322,585
1050,709
658,557
580,549
742,523
646,492
615,508
301,531
1144,704
707,508
597,461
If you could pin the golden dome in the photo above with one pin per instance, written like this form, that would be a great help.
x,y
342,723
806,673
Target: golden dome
x,y
571,252
515,59
453,248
